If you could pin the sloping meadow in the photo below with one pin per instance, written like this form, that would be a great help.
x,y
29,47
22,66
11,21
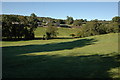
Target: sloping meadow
x,y
89,57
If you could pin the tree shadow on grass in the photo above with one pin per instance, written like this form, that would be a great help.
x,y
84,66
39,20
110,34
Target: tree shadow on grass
x,y
36,38
44,66
48,47
21,39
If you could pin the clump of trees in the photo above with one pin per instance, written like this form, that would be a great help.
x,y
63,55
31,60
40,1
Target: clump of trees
x,y
96,27
16,26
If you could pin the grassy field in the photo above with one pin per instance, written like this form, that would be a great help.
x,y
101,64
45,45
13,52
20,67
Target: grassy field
x,y
90,57
63,32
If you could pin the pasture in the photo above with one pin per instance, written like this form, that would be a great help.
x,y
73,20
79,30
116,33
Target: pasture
x,y
89,57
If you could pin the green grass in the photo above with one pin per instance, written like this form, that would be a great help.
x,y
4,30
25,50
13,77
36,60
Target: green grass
x,y
62,32
90,57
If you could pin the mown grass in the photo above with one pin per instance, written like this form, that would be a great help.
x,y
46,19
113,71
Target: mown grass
x,y
90,57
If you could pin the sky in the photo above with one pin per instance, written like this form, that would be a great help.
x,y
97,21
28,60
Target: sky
x,y
60,0
60,10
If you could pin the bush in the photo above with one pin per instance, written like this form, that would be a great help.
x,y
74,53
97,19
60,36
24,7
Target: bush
x,y
51,32
72,34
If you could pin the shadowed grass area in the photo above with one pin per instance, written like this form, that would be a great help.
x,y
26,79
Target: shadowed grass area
x,y
37,38
43,66
48,47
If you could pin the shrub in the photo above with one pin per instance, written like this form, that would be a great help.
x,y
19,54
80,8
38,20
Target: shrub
x,y
72,34
51,32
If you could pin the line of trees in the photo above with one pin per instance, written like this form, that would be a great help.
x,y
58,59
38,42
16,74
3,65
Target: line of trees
x,y
19,27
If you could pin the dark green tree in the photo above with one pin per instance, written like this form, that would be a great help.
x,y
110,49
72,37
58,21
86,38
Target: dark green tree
x,y
33,15
6,26
69,20
11,26
32,25
51,32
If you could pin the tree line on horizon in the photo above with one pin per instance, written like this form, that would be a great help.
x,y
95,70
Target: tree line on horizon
x,y
23,27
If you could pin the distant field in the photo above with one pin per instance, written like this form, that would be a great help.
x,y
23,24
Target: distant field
x,y
63,32
90,57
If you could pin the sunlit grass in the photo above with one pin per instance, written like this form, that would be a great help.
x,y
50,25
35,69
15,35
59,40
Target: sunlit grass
x,y
62,32
114,72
